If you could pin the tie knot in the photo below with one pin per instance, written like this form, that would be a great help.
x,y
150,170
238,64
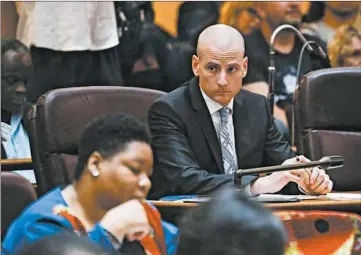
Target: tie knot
x,y
224,114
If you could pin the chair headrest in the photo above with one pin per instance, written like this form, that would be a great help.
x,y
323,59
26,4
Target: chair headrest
x,y
62,114
330,99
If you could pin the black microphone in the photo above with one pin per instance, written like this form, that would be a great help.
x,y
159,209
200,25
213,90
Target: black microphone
x,y
324,163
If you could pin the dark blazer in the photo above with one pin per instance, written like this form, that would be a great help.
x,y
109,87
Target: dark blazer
x,y
188,158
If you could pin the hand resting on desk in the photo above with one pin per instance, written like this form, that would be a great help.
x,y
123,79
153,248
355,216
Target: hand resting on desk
x,y
311,181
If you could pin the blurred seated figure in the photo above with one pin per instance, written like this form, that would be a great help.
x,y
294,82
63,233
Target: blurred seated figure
x,y
231,224
345,48
336,14
16,71
287,50
152,58
63,244
106,201
241,15
194,17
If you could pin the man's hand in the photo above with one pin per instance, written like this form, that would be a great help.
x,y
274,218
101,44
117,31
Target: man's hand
x,y
312,181
128,219
316,181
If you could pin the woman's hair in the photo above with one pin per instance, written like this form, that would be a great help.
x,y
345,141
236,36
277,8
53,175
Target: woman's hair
x,y
341,44
109,135
65,243
231,224
230,10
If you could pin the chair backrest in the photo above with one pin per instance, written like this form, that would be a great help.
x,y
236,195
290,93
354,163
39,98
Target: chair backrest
x,y
328,121
322,232
16,193
58,119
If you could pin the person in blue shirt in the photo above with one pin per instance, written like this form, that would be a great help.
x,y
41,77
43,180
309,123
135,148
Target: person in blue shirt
x,y
106,201
16,71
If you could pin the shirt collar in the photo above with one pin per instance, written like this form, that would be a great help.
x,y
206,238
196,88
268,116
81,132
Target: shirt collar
x,y
213,106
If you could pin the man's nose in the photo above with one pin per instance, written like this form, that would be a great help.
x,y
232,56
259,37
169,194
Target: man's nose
x,y
222,79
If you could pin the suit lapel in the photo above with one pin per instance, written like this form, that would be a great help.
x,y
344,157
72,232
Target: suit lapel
x,y
204,120
242,132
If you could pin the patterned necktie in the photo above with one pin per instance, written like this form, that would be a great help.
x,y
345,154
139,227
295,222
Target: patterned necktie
x,y
226,144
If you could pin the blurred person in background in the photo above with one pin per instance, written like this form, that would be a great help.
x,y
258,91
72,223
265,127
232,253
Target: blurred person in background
x,y
287,50
106,200
16,72
194,17
345,47
336,14
71,43
66,243
231,224
240,15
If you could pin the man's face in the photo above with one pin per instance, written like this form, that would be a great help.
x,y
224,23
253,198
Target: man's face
x,y
220,73
278,13
15,73
343,7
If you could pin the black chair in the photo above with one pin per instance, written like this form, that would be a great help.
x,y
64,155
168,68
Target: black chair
x,y
328,121
16,193
58,119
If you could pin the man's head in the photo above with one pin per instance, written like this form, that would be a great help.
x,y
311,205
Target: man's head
x,y
16,70
278,13
231,224
220,63
115,160
345,48
343,8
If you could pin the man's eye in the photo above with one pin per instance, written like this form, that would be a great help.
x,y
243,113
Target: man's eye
x,y
231,69
212,68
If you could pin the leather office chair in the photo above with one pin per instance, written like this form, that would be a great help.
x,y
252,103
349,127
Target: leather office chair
x,y
16,193
58,118
328,121
322,232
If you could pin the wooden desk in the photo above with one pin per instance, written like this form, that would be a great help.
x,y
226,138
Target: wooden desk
x,y
330,205
172,210
16,164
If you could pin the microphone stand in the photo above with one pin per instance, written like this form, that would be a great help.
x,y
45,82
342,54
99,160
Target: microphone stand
x,y
297,83
272,67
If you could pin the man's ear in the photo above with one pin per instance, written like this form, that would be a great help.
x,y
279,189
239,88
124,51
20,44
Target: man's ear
x,y
195,65
93,163
245,66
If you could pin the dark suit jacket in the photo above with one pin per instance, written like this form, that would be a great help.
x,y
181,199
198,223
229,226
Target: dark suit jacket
x,y
188,158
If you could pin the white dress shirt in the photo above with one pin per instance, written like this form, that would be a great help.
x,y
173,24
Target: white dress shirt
x,y
213,108
68,26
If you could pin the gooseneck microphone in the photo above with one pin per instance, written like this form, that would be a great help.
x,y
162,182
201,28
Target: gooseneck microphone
x,y
324,163
314,51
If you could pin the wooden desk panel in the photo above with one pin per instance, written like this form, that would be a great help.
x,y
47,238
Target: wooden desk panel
x,y
16,164
325,205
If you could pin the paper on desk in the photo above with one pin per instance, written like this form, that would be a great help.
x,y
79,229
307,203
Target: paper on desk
x,y
275,197
344,196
